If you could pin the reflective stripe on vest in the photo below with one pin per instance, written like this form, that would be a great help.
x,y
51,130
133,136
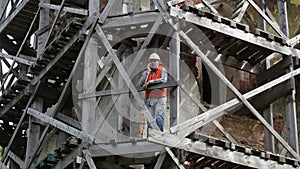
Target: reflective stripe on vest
x,y
161,92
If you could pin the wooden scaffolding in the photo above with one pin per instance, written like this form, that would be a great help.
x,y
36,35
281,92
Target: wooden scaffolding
x,y
69,97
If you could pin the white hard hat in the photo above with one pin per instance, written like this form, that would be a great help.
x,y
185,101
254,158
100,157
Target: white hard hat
x,y
154,56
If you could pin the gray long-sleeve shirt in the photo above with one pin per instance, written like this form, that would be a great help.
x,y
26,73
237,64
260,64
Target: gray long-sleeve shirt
x,y
163,79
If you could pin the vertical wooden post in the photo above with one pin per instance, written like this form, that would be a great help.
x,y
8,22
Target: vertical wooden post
x,y
268,115
291,116
127,6
3,4
152,5
268,112
44,21
261,22
290,99
174,73
94,6
283,20
117,8
33,131
136,5
89,76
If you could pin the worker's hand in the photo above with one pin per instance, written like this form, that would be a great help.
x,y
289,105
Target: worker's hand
x,y
145,85
148,67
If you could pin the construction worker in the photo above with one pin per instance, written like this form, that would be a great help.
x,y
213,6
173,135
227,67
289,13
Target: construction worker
x,y
155,99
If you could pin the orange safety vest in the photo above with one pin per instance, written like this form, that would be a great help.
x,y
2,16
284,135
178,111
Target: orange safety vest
x,y
158,93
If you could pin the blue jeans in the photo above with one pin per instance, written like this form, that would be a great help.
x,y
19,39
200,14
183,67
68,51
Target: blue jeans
x,y
157,108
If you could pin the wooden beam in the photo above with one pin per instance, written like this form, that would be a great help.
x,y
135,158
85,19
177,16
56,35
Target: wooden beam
x,y
213,9
160,160
3,8
66,9
106,11
68,120
242,12
137,19
16,159
89,159
17,59
291,115
294,40
123,148
123,90
55,123
269,138
89,75
174,158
